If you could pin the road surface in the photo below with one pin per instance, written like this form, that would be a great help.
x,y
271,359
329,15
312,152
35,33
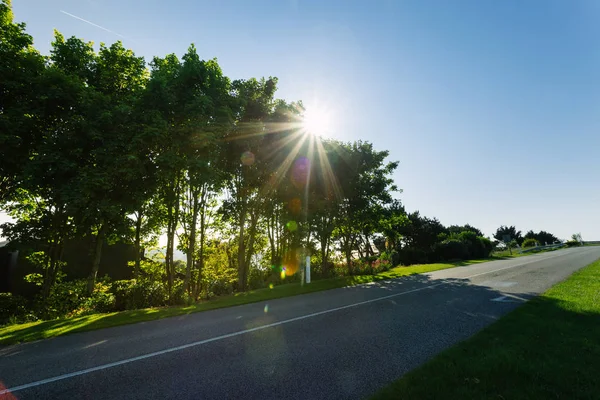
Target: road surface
x,y
339,344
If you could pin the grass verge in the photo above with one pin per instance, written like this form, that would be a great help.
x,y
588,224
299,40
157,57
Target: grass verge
x,y
546,349
19,333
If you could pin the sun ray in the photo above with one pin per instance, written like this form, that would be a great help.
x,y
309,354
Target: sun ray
x,y
284,167
326,170
265,129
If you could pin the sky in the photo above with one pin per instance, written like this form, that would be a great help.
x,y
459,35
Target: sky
x,y
492,108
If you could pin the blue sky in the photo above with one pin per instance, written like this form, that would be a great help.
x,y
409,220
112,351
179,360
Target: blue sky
x,y
491,107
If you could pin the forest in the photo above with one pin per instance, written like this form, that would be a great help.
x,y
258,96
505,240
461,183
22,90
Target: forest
x,y
101,144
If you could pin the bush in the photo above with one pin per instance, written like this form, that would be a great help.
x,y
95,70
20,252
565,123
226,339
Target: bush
x,y
409,255
64,298
452,249
487,245
101,301
529,243
67,299
13,309
139,293
257,278
390,256
219,287
573,243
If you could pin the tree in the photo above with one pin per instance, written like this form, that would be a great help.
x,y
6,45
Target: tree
x,y
509,231
108,175
245,165
392,224
45,205
209,118
542,237
165,99
21,67
421,232
465,228
366,186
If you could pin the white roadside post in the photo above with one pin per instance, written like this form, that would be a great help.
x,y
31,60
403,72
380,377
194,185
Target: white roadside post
x,y
307,269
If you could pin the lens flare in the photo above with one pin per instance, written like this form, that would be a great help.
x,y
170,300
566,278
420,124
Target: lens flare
x,y
300,172
247,158
295,206
292,226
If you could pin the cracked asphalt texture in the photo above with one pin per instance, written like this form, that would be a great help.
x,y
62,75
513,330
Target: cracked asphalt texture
x,y
346,353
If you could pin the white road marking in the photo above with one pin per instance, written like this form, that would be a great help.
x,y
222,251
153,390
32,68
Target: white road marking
x,y
509,298
226,336
504,299
498,284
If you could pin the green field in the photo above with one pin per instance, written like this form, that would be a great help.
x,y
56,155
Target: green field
x,y
41,330
549,348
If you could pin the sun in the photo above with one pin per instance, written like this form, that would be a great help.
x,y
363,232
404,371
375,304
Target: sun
x,y
317,121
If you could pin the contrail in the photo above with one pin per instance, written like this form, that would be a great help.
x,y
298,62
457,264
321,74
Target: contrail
x,y
93,24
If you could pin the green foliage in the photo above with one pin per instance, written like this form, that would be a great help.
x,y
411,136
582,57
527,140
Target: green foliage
x,y
452,249
542,237
36,278
14,309
529,242
412,255
138,293
509,231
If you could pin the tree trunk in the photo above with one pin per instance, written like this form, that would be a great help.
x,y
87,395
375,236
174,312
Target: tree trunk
x,y
241,256
138,248
169,250
348,252
96,256
252,235
49,271
198,288
368,248
173,218
349,261
191,244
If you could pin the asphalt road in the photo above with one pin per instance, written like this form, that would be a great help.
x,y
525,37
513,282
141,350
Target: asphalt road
x,y
343,343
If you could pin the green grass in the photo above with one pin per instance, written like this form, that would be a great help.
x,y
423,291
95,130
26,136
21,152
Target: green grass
x,y
19,333
549,348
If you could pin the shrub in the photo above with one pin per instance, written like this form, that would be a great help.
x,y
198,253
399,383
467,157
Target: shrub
x,y
257,278
380,265
409,255
13,309
573,243
390,256
529,243
101,301
219,287
488,246
63,299
452,249
67,299
134,294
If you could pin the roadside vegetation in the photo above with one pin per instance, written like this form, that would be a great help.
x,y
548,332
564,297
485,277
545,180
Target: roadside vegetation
x,y
103,150
18,333
546,349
